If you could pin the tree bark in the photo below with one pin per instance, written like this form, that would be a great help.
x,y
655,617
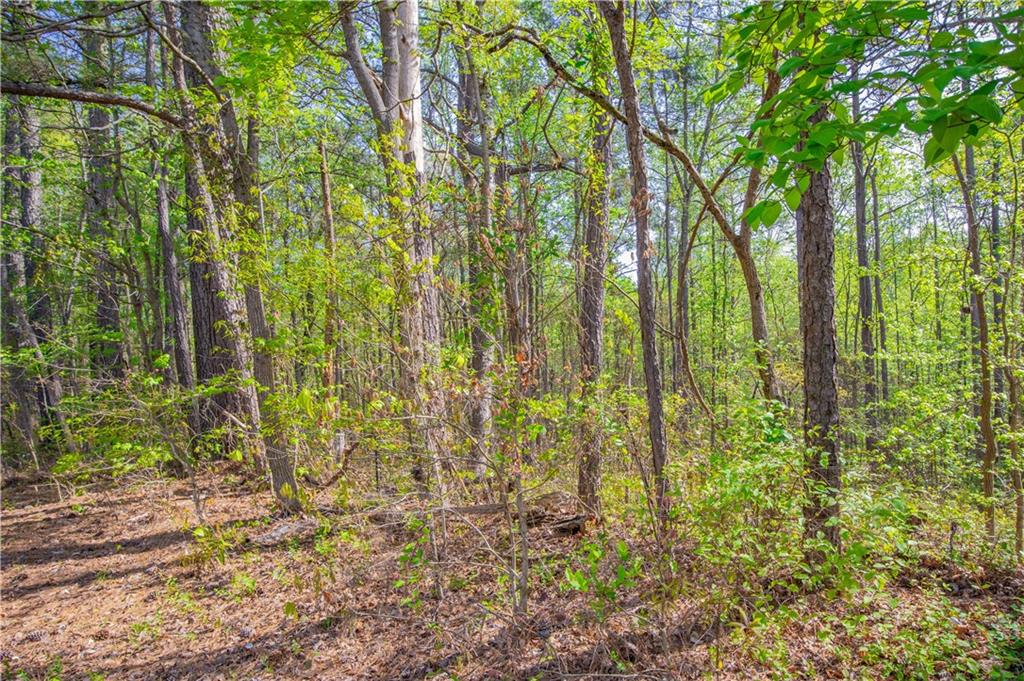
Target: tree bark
x,y
594,259
230,171
19,388
394,99
815,225
218,182
478,221
877,280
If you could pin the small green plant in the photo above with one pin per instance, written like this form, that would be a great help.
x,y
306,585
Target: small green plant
x,y
147,630
181,599
243,585
211,544
55,670
603,574
413,561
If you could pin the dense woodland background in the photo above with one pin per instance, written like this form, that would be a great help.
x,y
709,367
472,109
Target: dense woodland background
x,y
730,294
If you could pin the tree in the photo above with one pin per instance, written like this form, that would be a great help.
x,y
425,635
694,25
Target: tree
x,y
594,259
394,100
614,17
223,183
100,213
980,317
815,225
864,282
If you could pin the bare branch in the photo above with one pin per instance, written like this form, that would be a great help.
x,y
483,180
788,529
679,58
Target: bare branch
x,y
88,97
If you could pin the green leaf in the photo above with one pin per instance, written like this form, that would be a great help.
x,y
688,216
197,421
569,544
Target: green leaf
x,y
789,65
933,151
771,213
792,197
985,107
986,48
753,216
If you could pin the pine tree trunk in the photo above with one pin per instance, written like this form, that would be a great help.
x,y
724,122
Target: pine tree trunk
x,y
815,225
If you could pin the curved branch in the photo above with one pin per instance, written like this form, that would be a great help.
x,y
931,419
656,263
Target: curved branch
x,y
88,97
662,142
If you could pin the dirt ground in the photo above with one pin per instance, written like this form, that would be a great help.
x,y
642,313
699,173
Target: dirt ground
x,y
114,584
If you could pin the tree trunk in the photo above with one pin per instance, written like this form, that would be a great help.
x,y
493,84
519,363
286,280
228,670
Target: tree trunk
x,y
594,259
815,225
864,302
478,221
108,360
879,312
38,310
330,375
394,99
995,250
19,387
980,317
614,16
18,328
741,244
220,170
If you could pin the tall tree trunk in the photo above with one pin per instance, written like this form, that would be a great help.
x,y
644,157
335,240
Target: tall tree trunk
x,y
995,250
614,17
864,289
224,176
815,225
19,387
21,295
980,317
478,220
38,309
394,99
331,375
109,357
741,243
879,312
177,313
594,259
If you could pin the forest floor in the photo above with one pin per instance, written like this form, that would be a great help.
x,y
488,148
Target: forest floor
x,y
115,584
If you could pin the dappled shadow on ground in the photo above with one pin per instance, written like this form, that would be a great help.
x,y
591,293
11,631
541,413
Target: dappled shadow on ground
x,y
65,553
126,591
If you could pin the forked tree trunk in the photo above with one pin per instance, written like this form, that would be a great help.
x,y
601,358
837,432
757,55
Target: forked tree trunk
x,y
394,97
223,177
